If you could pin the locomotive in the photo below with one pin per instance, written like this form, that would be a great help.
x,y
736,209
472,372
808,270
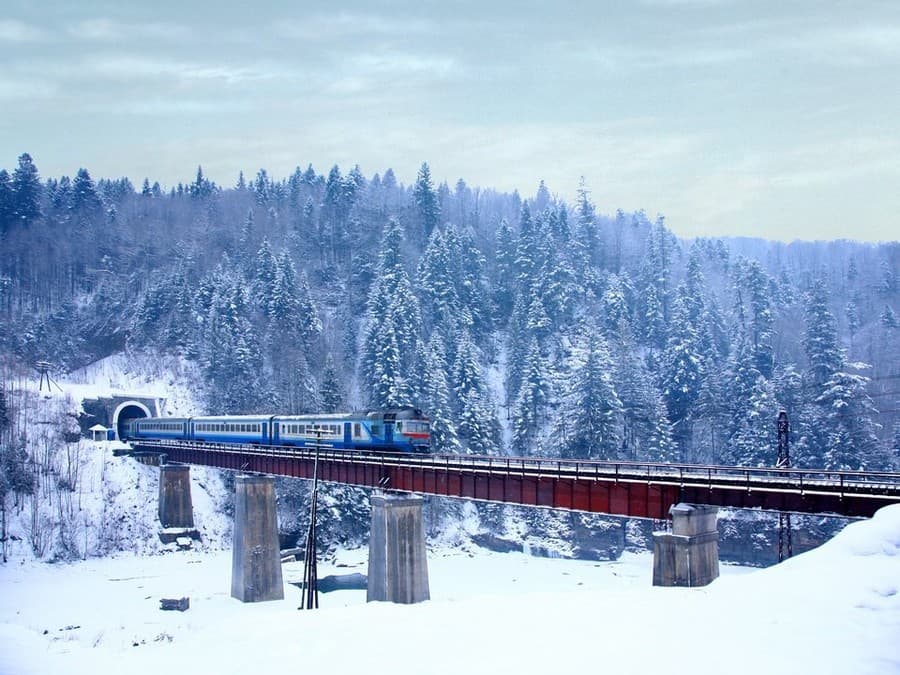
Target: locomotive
x,y
395,430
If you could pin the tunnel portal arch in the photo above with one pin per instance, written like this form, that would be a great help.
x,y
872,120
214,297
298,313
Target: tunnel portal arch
x,y
127,411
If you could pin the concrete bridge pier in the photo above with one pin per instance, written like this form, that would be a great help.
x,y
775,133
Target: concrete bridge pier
x,y
398,567
256,560
175,506
689,555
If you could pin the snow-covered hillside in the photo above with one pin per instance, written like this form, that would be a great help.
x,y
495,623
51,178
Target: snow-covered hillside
x,y
832,610
85,501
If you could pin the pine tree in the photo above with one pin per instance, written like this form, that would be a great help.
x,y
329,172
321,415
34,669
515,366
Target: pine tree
x,y
264,272
652,321
851,441
646,430
26,191
310,324
393,322
534,396
470,280
440,301
753,442
851,311
426,202
434,398
330,391
586,235
887,285
681,377
527,261
230,352
557,288
820,341
589,424
7,202
478,425
4,412
615,304
761,320
504,277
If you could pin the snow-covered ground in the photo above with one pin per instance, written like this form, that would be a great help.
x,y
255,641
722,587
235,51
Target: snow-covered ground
x,y
833,610
171,379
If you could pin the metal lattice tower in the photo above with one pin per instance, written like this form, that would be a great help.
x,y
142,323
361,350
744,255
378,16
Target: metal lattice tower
x,y
309,598
785,546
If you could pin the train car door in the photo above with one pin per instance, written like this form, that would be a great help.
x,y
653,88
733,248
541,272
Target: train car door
x,y
348,437
388,432
265,430
276,433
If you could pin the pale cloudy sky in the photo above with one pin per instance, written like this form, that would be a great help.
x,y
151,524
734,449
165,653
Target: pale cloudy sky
x,y
775,118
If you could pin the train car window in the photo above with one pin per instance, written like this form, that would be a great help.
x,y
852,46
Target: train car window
x,y
399,426
357,430
376,430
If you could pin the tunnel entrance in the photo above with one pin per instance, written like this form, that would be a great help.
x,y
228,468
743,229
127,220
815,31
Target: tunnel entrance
x,y
127,412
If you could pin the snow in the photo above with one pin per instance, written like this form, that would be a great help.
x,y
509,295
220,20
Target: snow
x,y
169,379
108,503
834,609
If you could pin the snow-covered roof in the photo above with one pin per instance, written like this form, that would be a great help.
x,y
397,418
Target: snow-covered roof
x,y
98,427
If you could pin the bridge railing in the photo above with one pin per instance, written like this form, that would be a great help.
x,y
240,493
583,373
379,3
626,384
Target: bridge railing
x,y
734,477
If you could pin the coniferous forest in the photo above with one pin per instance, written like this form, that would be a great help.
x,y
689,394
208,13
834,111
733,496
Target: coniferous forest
x,y
521,324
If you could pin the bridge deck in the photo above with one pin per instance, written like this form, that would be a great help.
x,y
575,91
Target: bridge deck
x,y
641,490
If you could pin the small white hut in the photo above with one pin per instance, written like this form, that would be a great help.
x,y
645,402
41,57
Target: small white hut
x,y
98,432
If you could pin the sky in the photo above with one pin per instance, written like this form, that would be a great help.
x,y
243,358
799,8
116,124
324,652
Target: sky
x,y
770,118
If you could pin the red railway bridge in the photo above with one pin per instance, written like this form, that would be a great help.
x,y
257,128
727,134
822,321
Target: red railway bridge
x,y
634,489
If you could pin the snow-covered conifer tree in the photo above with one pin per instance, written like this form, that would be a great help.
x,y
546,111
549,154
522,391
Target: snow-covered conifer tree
x,y
434,397
589,424
532,401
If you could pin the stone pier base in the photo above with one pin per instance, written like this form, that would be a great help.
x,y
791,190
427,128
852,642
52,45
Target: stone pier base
x,y
175,507
256,559
398,567
689,555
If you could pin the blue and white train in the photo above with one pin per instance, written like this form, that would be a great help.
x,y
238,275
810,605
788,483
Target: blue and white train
x,y
395,430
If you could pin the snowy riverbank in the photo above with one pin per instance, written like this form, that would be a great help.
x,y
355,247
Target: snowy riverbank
x,y
835,609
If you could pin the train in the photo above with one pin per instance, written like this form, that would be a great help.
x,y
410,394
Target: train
x,y
394,430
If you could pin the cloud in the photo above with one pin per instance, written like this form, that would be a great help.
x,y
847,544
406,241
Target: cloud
x,y
129,67
686,4
17,89
172,107
12,30
619,58
332,27
111,30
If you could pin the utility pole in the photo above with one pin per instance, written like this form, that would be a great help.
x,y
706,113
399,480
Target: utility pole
x,y
785,546
310,596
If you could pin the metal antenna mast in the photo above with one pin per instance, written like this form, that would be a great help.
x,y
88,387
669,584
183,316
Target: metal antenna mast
x,y
43,368
785,546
